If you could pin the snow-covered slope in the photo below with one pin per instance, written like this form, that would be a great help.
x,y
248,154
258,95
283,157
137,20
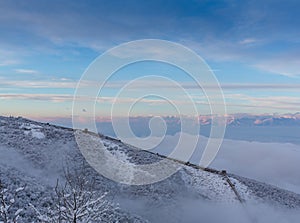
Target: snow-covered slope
x,y
37,154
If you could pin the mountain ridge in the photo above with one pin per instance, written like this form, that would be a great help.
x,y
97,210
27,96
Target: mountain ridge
x,y
44,151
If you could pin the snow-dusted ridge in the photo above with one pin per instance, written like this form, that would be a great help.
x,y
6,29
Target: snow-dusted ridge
x,y
38,158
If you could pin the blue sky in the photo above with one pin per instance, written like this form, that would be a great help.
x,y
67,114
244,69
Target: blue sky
x,y
253,47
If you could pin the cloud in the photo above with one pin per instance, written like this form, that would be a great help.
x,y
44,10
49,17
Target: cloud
x,y
199,210
26,71
265,101
261,104
274,163
67,83
192,85
52,83
281,60
232,31
8,62
8,57
248,41
102,25
260,86
70,98
40,97
281,65
235,102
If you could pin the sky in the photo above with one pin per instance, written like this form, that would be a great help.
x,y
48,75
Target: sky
x,y
252,47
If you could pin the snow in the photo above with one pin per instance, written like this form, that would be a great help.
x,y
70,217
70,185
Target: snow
x,y
30,126
243,190
20,189
37,134
107,159
18,211
213,186
33,130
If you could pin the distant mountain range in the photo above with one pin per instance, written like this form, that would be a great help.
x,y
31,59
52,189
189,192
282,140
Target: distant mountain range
x,y
256,120
231,120
263,120
140,124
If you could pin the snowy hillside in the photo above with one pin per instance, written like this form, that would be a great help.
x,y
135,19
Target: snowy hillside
x,y
34,155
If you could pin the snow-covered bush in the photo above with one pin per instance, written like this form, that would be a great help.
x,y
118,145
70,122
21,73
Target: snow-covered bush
x,y
77,201
9,211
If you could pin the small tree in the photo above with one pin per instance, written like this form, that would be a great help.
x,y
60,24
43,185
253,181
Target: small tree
x,y
77,201
9,213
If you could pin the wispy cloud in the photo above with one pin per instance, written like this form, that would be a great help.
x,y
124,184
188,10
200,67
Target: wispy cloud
x,y
260,86
8,62
284,65
248,41
154,84
7,57
43,84
39,97
239,101
137,84
26,71
275,103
